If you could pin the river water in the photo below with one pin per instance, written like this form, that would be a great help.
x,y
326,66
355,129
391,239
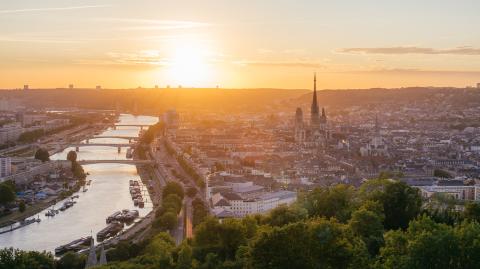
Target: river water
x,y
108,192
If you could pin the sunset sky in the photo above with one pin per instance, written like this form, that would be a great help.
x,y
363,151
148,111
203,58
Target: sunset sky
x,y
235,44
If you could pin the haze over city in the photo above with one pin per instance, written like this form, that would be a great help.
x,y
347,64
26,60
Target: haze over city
x,y
238,44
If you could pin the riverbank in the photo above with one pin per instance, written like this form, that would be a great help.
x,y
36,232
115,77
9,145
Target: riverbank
x,y
81,134
141,229
30,211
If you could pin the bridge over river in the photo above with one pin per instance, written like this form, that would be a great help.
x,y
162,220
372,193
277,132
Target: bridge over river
x,y
132,125
78,145
85,162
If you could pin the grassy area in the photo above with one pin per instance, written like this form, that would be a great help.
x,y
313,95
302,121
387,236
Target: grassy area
x,y
26,152
30,211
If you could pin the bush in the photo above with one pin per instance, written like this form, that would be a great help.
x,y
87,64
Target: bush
x,y
21,206
42,155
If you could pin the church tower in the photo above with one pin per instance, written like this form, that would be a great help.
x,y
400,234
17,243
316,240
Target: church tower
x,y
300,134
314,111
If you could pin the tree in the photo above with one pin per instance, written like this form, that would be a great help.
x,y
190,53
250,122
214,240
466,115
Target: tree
x,y
224,239
219,166
72,156
161,249
313,244
21,206
199,212
184,260
368,225
472,211
401,203
13,258
330,202
425,244
468,237
441,173
78,171
31,136
173,188
171,203
390,175
42,155
152,132
7,193
71,260
167,221
283,215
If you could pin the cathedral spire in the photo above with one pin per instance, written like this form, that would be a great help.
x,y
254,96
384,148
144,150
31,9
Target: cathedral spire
x,y
314,111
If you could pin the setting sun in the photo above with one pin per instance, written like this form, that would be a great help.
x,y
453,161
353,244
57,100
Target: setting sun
x,y
189,65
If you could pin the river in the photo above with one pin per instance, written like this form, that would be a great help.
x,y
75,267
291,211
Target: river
x,y
108,192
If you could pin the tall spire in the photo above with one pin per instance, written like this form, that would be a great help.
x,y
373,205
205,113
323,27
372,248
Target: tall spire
x,y
377,130
315,117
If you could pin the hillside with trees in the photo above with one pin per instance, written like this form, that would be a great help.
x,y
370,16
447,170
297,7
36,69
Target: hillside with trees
x,y
382,224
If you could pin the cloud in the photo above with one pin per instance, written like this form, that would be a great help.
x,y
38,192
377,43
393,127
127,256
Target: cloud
x,y
13,11
128,59
304,64
413,50
147,57
412,71
143,24
37,40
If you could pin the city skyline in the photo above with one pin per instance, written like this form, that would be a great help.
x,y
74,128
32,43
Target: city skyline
x,y
273,44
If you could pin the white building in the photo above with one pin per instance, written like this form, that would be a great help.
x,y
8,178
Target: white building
x,y
5,167
235,205
454,188
377,146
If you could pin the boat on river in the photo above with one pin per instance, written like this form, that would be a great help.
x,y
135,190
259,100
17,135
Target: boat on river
x,y
125,215
26,222
111,230
66,205
75,245
113,217
51,213
20,224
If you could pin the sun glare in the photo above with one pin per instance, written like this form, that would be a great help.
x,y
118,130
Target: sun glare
x,y
189,65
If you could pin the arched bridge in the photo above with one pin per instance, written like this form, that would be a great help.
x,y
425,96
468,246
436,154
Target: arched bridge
x,y
115,136
78,145
131,125
85,162
118,145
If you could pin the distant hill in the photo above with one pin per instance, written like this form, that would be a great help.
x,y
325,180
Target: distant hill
x,y
365,97
158,100
234,100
